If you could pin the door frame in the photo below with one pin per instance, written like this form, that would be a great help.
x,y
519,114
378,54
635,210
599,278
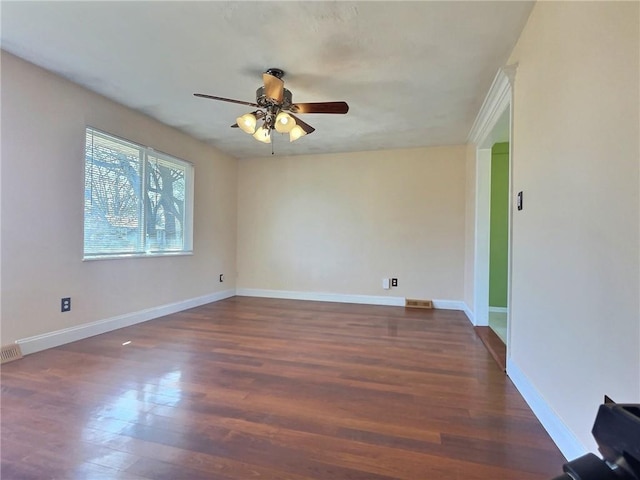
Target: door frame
x,y
483,134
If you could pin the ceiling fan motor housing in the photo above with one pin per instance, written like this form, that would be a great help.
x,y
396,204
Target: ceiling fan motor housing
x,y
263,101
275,72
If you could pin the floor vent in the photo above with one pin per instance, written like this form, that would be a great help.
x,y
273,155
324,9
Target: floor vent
x,y
411,303
10,353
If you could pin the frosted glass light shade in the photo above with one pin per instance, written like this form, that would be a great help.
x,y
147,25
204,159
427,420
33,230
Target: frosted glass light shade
x,y
295,133
262,135
247,123
284,122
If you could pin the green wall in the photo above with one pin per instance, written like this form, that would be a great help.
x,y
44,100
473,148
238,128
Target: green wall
x,y
499,236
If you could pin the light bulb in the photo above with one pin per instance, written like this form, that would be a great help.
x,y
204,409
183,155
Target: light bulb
x,y
263,135
247,123
284,122
295,133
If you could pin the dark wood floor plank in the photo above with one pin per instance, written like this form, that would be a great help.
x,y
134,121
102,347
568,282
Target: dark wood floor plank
x,y
273,389
495,345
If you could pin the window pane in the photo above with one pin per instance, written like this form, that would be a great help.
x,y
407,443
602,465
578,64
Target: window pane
x,y
137,201
112,196
164,204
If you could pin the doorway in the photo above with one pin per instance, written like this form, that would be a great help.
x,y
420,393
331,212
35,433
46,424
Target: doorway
x,y
492,128
499,239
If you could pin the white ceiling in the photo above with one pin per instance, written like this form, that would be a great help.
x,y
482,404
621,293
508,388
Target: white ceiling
x,y
414,73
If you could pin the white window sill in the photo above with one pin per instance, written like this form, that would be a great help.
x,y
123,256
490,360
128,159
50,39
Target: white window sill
x,y
136,255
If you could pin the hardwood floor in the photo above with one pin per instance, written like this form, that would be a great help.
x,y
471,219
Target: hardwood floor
x,y
494,345
250,388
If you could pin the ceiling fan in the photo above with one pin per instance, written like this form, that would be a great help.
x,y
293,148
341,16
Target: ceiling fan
x,y
276,109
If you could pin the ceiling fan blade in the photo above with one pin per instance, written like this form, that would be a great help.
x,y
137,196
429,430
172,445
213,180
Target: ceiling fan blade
x,y
305,126
273,87
222,99
320,107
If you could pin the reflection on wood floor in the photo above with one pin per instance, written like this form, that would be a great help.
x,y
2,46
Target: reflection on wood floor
x,y
250,388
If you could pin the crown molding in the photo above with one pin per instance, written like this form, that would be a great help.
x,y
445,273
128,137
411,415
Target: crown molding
x,y
495,103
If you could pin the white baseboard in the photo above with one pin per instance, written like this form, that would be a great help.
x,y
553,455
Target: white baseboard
x,y
448,304
562,436
342,298
321,297
72,334
498,309
467,311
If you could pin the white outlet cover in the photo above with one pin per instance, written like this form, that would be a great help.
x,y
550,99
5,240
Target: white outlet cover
x,y
386,283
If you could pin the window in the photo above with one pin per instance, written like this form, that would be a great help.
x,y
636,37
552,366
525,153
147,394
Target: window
x,y
137,202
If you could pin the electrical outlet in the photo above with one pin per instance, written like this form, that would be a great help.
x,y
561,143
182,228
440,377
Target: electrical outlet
x,y
65,304
394,282
221,277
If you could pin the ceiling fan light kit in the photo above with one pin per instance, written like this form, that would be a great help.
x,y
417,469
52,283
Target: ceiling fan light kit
x,y
247,123
263,135
295,133
284,122
275,105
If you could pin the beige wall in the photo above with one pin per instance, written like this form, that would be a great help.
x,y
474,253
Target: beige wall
x,y
340,223
575,286
43,125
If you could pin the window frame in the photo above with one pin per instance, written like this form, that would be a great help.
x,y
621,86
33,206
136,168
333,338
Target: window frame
x,y
146,252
